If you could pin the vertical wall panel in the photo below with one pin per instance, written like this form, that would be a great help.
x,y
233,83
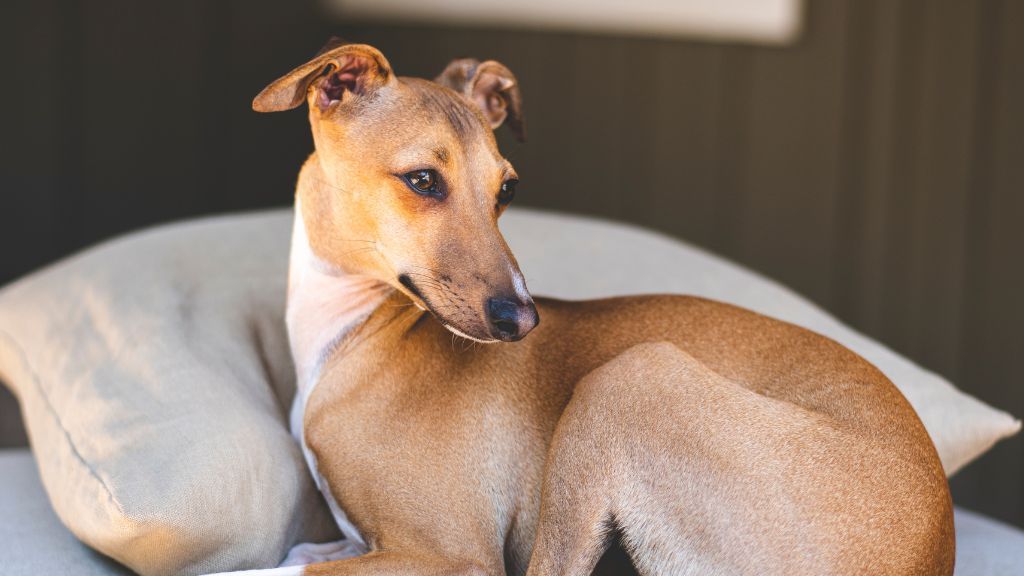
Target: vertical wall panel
x,y
869,119
38,121
685,137
733,150
993,340
941,189
792,165
265,39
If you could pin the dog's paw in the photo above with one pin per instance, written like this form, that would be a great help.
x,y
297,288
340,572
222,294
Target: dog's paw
x,y
309,553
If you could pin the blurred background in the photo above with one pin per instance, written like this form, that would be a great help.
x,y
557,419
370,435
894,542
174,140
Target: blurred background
x,y
868,153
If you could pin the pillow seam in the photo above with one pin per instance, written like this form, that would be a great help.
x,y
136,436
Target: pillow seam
x,y
33,376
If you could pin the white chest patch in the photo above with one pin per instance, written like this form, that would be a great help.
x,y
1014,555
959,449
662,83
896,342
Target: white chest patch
x,y
324,305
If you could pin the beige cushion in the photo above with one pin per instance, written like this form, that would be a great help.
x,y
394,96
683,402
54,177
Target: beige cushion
x,y
32,540
153,374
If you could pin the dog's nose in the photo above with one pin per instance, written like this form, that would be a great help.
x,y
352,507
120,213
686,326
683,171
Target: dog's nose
x,y
511,319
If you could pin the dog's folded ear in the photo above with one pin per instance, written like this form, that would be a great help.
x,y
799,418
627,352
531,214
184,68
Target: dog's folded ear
x,y
337,69
492,87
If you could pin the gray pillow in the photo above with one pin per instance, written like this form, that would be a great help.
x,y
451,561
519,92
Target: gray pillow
x,y
153,374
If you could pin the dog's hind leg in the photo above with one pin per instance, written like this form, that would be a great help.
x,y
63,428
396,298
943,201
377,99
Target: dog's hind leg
x,y
703,476
585,471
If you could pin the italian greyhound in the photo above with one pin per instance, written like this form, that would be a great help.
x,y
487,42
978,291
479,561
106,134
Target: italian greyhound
x,y
712,440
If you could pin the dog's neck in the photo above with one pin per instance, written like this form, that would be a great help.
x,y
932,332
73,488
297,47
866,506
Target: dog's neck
x,y
325,302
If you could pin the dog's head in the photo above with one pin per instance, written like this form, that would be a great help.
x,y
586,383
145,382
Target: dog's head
x,y
410,182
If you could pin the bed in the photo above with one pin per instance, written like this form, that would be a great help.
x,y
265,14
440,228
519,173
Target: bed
x,y
565,256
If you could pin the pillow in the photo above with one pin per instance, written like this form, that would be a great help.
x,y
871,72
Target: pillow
x,y
152,372
154,376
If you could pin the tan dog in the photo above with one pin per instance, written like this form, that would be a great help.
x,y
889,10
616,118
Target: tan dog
x,y
713,439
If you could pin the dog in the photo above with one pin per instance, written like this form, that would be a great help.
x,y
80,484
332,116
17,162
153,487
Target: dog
x,y
711,439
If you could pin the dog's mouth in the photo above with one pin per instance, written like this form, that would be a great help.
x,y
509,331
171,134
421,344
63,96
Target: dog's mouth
x,y
423,302
498,318
420,300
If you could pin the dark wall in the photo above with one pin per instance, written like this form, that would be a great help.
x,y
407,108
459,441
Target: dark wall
x,y
875,166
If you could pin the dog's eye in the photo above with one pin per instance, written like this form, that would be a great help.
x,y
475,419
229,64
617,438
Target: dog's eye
x,y
424,182
507,192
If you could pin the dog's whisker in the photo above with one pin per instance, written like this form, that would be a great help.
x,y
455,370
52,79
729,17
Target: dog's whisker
x,y
426,279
